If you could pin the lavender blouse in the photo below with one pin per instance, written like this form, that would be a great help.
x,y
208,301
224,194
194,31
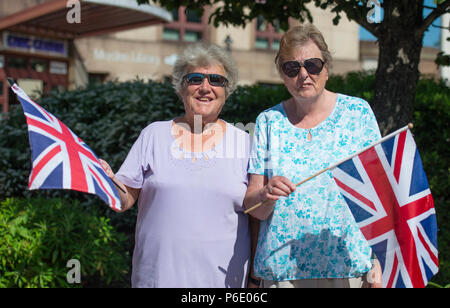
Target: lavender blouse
x,y
191,230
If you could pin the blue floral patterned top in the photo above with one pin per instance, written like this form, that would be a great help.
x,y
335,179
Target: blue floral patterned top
x,y
312,233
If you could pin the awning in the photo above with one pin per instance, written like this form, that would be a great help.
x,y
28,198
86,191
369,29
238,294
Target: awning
x,y
96,17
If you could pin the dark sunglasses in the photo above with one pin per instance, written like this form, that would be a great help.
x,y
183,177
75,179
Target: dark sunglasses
x,y
213,79
313,66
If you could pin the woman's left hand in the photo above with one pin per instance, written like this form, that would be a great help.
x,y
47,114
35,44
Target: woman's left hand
x,y
374,276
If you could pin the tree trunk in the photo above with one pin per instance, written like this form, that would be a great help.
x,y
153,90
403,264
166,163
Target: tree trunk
x,y
397,73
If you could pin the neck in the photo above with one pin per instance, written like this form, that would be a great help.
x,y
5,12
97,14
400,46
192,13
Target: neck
x,y
198,124
197,135
309,106
307,113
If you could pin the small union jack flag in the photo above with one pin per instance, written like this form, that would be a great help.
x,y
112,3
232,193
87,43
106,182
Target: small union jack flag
x,y
61,160
387,192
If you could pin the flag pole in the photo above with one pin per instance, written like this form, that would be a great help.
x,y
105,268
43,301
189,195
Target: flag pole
x,y
10,81
118,186
409,126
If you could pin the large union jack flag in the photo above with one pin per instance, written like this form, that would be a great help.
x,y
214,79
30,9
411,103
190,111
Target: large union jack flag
x,y
387,192
61,160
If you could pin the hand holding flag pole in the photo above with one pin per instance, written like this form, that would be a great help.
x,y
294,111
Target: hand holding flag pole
x,y
410,126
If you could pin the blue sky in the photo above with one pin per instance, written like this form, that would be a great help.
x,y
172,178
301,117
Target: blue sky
x,y
432,35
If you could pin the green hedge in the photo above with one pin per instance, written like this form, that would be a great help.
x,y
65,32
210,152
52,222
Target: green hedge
x,y
39,236
109,118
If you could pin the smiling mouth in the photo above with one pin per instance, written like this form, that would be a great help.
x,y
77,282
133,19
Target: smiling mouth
x,y
204,99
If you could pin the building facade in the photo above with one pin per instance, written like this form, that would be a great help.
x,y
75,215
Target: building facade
x,y
43,54
149,53
38,39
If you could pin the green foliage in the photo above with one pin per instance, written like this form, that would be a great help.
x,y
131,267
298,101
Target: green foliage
x,y
442,59
240,13
244,105
39,237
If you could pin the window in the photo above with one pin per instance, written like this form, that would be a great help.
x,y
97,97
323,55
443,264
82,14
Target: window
x,y
38,65
187,26
171,34
267,35
17,62
97,78
192,16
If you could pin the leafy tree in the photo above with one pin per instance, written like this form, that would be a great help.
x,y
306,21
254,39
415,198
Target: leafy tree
x,y
399,34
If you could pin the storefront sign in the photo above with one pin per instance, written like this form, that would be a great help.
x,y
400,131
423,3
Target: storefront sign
x,y
126,57
132,57
59,68
33,44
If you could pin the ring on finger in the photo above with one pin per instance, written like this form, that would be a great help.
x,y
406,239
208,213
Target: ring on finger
x,y
270,189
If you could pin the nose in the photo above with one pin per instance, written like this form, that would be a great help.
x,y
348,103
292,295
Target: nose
x,y
303,73
205,86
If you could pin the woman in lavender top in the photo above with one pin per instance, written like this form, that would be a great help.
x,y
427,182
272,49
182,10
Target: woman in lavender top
x,y
190,177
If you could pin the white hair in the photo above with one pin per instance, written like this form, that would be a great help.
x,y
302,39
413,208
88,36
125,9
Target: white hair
x,y
202,55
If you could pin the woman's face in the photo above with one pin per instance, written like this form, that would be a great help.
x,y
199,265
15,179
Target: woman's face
x,y
204,99
306,86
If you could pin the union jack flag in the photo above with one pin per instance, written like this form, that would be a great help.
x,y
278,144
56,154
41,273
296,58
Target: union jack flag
x,y
61,160
387,192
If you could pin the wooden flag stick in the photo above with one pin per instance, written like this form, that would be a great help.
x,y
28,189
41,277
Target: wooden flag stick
x,y
115,183
410,126
10,81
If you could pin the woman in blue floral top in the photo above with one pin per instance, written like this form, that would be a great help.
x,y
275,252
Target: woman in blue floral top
x,y
308,236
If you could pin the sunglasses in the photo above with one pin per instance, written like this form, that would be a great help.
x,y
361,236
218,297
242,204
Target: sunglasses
x,y
313,66
215,80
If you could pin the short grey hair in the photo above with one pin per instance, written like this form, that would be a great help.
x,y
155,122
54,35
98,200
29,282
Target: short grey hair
x,y
202,55
297,37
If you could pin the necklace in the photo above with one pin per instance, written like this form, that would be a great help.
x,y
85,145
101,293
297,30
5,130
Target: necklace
x,y
309,137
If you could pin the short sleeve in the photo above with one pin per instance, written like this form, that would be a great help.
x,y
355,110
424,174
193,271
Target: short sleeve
x,y
369,127
131,173
259,148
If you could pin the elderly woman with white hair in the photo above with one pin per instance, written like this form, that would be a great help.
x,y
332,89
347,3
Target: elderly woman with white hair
x,y
190,174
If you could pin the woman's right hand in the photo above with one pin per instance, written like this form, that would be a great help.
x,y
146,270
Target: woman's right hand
x,y
276,187
128,195
266,192
107,168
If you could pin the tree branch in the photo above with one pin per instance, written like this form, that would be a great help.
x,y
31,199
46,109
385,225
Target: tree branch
x,y
438,11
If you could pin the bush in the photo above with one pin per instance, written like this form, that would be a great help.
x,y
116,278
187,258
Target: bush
x,y
39,237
